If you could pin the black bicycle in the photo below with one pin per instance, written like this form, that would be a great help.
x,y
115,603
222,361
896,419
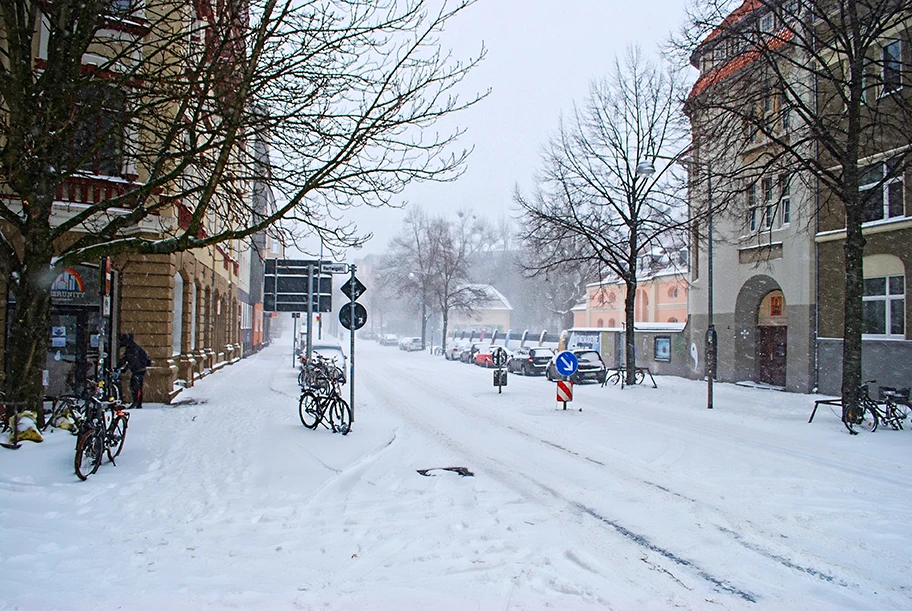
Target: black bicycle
x,y
102,432
867,415
68,411
322,402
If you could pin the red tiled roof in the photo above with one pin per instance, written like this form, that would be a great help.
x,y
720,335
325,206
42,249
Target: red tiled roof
x,y
737,63
746,8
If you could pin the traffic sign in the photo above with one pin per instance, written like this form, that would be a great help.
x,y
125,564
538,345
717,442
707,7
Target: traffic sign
x,y
353,288
350,322
285,286
499,357
566,363
334,268
564,391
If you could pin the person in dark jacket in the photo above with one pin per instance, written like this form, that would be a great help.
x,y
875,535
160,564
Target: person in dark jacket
x,y
136,360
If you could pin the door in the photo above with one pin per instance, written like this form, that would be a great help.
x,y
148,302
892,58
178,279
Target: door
x,y
771,354
72,349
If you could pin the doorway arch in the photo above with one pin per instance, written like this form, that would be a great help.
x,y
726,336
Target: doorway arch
x,y
760,332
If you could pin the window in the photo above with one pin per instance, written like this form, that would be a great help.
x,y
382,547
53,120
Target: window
x,y
177,327
752,208
882,186
785,200
766,23
884,306
97,145
891,68
600,323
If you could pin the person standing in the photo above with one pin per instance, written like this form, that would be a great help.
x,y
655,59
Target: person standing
x,y
136,360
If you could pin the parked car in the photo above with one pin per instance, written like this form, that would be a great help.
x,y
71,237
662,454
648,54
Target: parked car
x,y
388,339
468,352
530,361
410,344
453,351
591,367
483,358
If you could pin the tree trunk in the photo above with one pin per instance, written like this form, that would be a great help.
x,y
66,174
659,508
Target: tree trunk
x,y
28,336
446,319
852,309
423,325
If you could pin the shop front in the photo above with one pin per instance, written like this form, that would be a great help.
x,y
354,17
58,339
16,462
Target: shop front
x,y
78,331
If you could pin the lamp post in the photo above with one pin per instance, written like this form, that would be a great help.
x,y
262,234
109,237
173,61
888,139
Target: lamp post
x,y
710,327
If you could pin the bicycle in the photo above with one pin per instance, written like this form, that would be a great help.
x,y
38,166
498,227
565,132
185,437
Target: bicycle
x,y
323,401
102,432
865,415
618,375
896,406
68,410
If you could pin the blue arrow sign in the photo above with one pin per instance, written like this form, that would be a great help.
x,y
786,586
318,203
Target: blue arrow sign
x,y
566,363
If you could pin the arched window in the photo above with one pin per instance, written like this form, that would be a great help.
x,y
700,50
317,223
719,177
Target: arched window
x,y
193,314
672,319
611,322
600,323
177,307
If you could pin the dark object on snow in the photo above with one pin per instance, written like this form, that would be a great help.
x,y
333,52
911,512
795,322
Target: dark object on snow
x,y
460,470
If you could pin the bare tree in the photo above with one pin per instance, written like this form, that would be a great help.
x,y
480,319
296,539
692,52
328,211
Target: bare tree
x,y
429,261
160,101
815,89
599,196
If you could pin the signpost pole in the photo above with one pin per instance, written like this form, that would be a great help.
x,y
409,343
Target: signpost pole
x,y
294,343
310,307
351,376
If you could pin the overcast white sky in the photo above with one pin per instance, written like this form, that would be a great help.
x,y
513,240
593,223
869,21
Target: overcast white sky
x,y
542,54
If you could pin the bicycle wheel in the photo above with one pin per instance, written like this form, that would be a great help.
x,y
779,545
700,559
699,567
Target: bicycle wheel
x,y
301,378
864,419
89,450
340,416
639,376
898,412
614,378
309,409
116,435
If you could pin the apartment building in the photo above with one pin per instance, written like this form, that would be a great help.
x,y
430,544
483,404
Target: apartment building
x,y
186,309
778,249
763,261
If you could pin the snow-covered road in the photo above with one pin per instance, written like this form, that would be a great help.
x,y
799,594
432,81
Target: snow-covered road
x,y
643,500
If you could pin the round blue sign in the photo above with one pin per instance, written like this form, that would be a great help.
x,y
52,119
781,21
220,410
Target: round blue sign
x,y
566,363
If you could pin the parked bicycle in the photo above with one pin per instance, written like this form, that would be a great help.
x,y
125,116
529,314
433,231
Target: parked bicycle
x,y
617,375
869,414
101,432
68,410
321,400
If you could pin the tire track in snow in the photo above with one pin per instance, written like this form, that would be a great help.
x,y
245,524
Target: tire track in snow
x,y
381,386
728,436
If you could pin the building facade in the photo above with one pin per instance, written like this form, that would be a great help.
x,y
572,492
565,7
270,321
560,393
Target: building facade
x,y
762,261
778,253
189,310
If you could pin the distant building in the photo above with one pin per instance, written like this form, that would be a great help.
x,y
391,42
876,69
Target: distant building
x,y
492,313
